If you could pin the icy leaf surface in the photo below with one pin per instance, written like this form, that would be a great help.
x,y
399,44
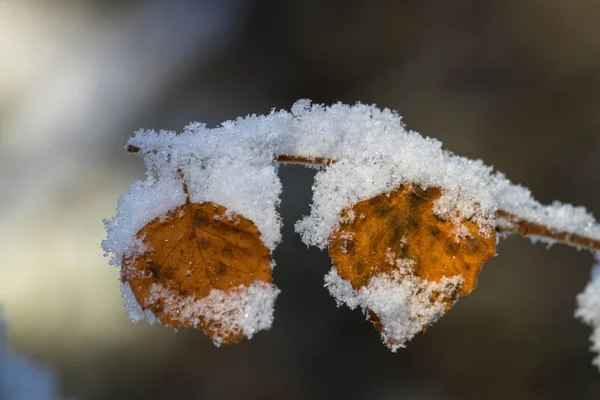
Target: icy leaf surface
x,y
405,265
193,260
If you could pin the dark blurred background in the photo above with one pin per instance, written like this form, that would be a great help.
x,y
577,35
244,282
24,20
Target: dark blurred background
x,y
514,82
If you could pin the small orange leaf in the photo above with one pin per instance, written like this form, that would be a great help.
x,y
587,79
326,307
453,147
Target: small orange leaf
x,y
398,234
187,253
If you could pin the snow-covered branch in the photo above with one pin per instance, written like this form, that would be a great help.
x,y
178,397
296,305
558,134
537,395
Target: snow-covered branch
x,y
407,223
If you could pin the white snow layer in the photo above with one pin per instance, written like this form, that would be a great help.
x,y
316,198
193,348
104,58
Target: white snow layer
x,y
135,311
20,378
588,308
404,304
235,165
245,309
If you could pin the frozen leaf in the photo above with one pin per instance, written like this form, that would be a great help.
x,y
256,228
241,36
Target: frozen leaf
x,y
197,259
393,247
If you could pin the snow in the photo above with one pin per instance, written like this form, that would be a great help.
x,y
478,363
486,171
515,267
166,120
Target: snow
x,y
235,165
20,378
405,305
133,308
588,308
144,202
245,309
562,217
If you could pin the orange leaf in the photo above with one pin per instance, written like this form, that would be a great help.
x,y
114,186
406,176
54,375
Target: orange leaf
x,y
398,233
187,253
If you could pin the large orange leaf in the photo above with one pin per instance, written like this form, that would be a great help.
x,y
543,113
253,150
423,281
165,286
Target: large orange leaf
x,y
398,234
190,251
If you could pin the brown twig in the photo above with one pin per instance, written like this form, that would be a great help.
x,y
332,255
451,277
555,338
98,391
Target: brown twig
x,y
517,224
289,159
528,228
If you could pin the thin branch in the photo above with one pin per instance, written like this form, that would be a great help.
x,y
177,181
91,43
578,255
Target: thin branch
x,y
517,224
528,228
289,159
282,158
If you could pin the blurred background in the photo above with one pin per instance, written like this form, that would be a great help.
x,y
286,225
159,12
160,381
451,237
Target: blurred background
x,y
515,83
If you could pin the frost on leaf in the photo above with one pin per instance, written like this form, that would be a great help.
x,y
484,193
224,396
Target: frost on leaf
x,y
201,266
405,265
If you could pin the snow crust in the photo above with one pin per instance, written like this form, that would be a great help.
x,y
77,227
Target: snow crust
x,y
234,165
245,309
404,304
133,308
588,308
